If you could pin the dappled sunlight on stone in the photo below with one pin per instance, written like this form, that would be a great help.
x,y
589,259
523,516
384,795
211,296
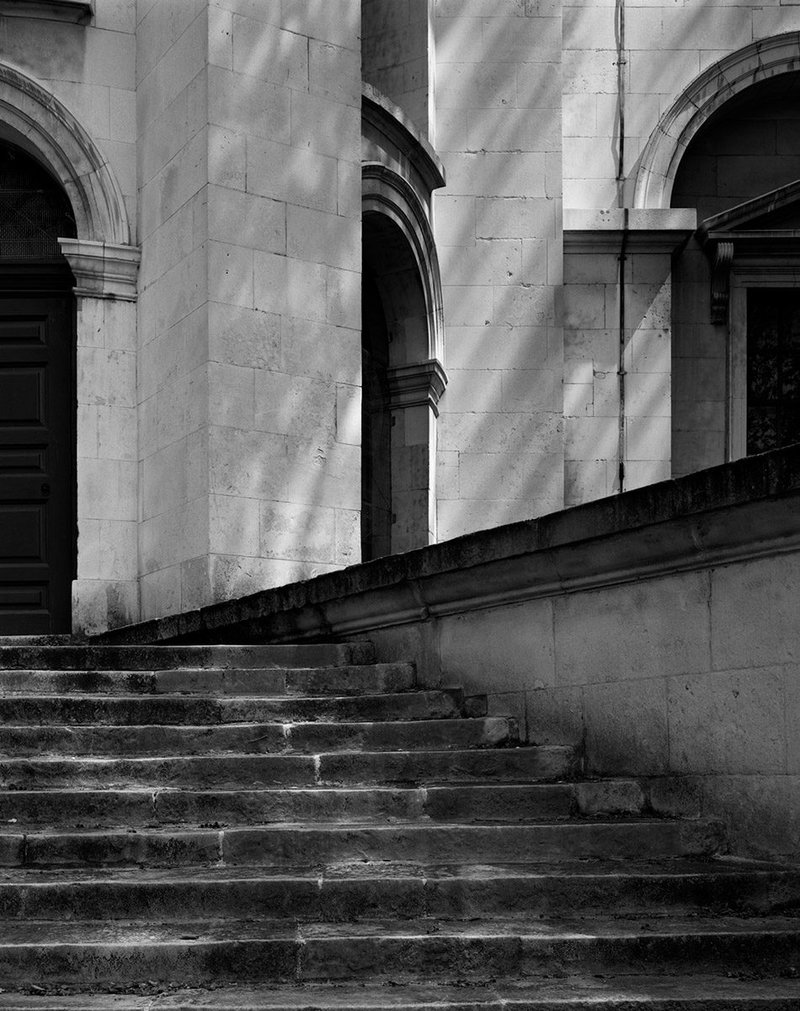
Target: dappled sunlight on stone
x,y
497,116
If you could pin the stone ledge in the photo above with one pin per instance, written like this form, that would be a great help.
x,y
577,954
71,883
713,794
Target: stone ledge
x,y
739,510
649,231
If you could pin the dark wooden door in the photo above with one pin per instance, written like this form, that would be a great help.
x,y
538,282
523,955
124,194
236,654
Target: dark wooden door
x,y
37,526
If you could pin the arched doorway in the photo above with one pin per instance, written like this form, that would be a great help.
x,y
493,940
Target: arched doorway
x,y
401,385
402,332
736,302
37,399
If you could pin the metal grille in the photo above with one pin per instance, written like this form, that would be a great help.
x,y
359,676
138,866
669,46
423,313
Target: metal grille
x,y
34,210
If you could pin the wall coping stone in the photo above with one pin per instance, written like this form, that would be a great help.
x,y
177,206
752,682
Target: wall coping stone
x,y
746,509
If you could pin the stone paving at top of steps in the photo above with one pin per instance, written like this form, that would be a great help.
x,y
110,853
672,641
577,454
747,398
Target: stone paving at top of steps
x,y
626,992
338,768
16,655
474,803
311,845
352,679
90,709
352,892
97,954
164,740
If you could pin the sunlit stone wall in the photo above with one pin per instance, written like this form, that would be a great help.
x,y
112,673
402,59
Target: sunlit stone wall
x,y
666,46
498,228
663,48
396,55
250,310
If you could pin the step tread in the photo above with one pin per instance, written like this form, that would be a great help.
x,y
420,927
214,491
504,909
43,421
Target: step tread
x,y
539,749
43,933
587,869
361,824
140,790
418,725
613,992
18,654
217,681
230,700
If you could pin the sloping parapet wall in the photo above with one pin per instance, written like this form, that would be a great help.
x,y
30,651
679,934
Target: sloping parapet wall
x,y
660,627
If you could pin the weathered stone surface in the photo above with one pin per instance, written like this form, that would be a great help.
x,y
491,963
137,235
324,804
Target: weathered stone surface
x,y
284,840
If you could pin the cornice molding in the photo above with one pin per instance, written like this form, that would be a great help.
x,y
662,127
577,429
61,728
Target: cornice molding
x,y
420,384
645,231
102,269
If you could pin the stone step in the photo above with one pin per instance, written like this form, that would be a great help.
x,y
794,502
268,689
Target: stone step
x,y
624,992
206,709
149,658
244,738
525,764
354,679
467,802
233,771
196,952
302,845
655,891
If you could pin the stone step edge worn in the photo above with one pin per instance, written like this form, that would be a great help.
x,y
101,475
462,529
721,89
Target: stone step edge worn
x,y
621,993
100,657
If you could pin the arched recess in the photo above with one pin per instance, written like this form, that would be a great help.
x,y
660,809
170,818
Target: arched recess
x,y
35,120
403,373
104,266
658,164
736,299
402,337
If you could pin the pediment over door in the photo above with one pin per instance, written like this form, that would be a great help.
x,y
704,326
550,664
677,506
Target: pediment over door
x,y
762,234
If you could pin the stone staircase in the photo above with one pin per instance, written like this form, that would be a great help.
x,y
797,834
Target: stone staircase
x,y
298,827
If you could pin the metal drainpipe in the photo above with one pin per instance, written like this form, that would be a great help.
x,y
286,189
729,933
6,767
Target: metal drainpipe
x,y
621,64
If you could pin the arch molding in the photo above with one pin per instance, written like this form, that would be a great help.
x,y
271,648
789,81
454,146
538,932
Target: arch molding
x,y
725,79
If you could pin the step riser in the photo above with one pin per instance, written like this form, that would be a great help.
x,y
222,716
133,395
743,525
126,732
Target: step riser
x,y
303,738
414,958
195,711
285,846
145,807
352,680
514,958
336,900
149,658
243,771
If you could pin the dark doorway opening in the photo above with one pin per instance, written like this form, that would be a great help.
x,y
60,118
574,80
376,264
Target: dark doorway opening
x,y
376,426
37,401
773,368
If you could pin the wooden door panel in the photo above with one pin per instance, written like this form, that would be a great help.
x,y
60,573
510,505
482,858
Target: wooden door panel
x,y
37,529
22,395
23,526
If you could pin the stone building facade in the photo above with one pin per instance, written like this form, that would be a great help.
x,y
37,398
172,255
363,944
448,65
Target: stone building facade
x,y
338,279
